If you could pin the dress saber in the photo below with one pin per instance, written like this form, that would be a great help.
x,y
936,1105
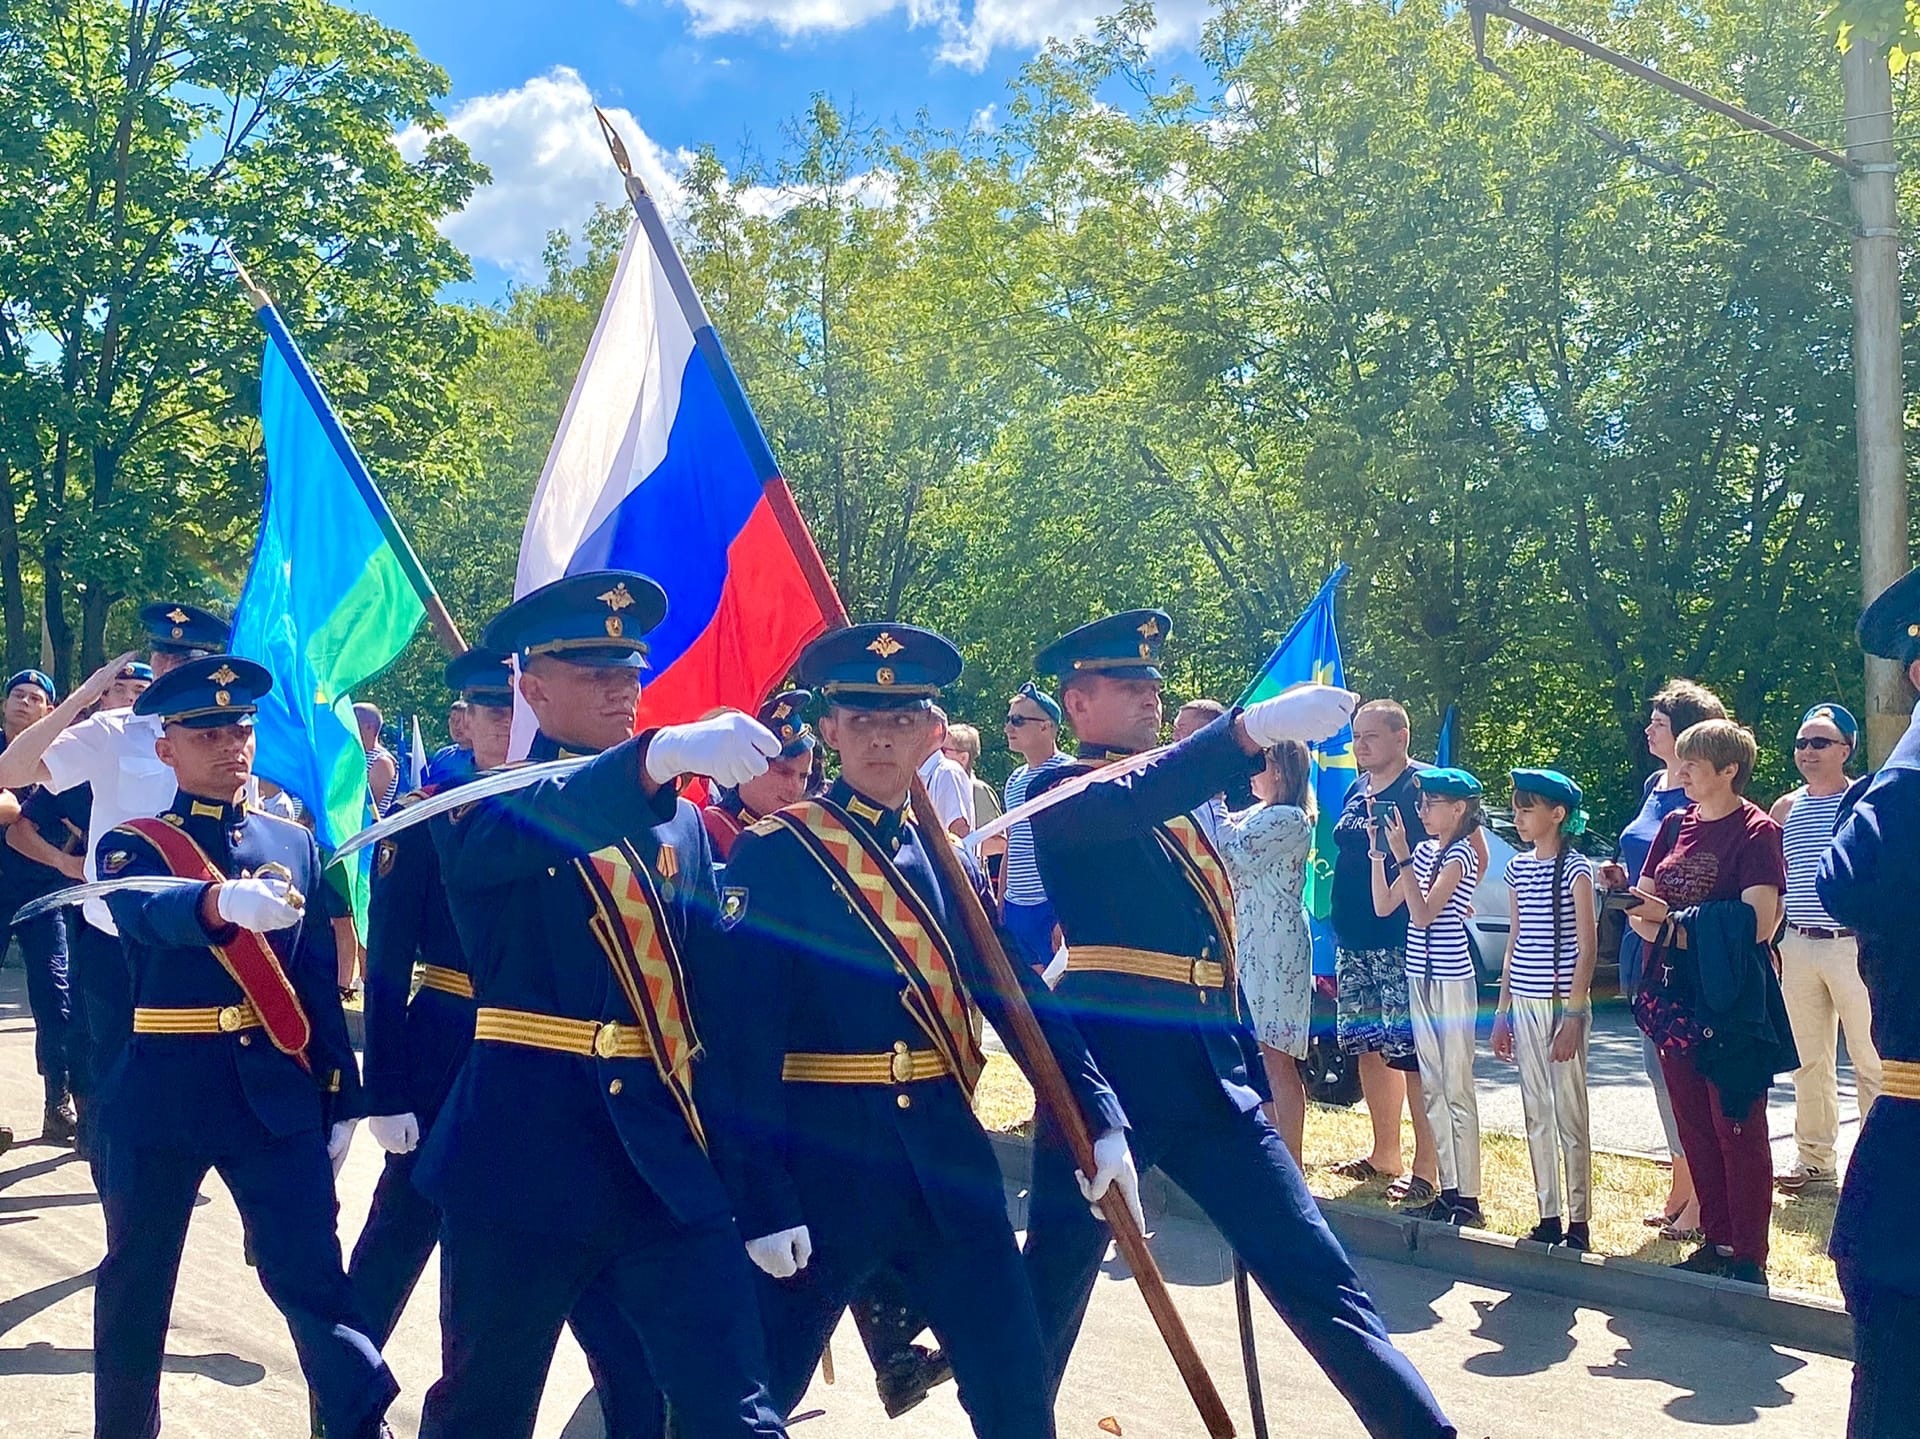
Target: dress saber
x,y
99,889
500,782
1066,789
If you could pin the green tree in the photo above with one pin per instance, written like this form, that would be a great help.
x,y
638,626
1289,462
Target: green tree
x,y
141,132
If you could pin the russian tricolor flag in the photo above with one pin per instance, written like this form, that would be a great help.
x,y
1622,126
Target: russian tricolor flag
x,y
659,466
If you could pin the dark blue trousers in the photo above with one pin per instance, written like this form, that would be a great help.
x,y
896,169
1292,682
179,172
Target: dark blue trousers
x,y
1886,1382
969,1287
402,1228
1236,1169
101,989
43,943
683,1290
284,1191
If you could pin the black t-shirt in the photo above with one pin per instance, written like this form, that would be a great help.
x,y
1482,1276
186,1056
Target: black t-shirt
x,y
61,820
1355,925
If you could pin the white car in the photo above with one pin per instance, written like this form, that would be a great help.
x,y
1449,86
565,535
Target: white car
x,y
1492,918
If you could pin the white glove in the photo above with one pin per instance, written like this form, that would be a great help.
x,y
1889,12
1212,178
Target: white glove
x,y
337,1141
1306,712
395,1133
1112,1164
782,1255
728,749
261,905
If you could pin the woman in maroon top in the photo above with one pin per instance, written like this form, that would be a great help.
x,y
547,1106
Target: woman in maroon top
x,y
1720,847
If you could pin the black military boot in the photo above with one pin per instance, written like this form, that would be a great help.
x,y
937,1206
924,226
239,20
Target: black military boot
x,y
60,1125
908,1375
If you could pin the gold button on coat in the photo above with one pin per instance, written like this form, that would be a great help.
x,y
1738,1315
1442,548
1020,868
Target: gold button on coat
x,y
614,1086
905,1101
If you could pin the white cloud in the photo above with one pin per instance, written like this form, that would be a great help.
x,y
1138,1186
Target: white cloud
x,y
550,166
983,122
968,34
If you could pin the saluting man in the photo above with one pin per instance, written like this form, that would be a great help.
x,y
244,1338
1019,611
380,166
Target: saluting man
x,y
1866,882
852,1052
415,1045
582,905
1144,902
239,1061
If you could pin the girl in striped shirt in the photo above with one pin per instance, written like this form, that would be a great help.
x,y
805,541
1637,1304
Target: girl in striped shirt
x,y
1436,883
1545,1005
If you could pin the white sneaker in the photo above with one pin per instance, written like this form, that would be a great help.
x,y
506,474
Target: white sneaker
x,y
1804,1176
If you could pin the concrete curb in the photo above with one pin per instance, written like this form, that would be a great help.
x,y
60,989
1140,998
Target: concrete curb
x,y
1594,1280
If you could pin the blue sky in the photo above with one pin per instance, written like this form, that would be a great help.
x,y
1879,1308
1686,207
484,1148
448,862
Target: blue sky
x,y
725,73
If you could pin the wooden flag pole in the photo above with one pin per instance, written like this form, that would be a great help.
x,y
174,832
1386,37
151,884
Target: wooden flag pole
x,y
1050,1087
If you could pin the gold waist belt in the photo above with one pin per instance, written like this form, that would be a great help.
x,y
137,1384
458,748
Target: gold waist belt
x,y
583,1037
1900,1078
902,1066
1147,964
215,1019
447,981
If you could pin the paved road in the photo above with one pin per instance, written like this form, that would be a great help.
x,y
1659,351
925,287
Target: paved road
x,y
1512,1364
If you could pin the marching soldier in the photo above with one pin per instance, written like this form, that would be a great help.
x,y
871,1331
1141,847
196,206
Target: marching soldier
x,y
1144,903
238,1061
415,1045
1866,881
582,905
904,1372
784,782
113,752
852,1054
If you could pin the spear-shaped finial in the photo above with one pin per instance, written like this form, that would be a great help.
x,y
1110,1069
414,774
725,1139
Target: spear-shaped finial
x,y
256,296
625,166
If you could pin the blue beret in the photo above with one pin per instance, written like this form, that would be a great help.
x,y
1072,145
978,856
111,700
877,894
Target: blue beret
x,y
1890,627
1447,783
1126,646
600,619
178,629
207,692
136,670
786,715
879,667
1047,702
1836,715
1550,785
481,676
32,677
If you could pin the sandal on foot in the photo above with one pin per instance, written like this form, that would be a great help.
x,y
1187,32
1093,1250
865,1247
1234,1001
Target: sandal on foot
x,y
1663,1221
1411,1190
1360,1168
1678,1235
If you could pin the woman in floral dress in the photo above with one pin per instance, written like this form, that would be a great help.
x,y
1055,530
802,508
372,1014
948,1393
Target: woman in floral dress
x,y
1266,850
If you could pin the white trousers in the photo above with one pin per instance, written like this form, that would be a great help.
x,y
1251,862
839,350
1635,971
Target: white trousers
x,y
1442,1011
1820,980
1553,1098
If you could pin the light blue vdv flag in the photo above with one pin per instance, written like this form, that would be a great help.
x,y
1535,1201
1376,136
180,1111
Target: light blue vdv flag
x,y
333,596
1443,750
1311,653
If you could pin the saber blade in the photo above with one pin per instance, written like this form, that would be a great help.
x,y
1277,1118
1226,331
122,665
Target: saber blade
x,y
1119,769
100,889
499,782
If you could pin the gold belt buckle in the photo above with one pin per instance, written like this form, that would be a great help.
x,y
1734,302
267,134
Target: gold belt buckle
x,y
902,1062
606,1040
1195,976
231,1018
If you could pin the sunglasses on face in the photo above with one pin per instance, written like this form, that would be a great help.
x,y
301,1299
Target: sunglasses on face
x,y
1816,741
1015,721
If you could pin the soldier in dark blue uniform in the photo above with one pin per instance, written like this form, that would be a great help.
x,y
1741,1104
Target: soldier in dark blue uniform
x,y
239,1062
1148,916
571,1150
1866,881
852,1052
415,1045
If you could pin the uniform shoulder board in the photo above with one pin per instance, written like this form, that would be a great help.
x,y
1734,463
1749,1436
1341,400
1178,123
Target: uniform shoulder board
x,y
765,827
414,796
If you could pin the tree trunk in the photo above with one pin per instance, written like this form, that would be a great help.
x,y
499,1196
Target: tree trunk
x,y
93,627
22,650
59,631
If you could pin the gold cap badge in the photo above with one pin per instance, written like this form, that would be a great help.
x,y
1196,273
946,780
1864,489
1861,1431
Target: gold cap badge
x,y
1150,629
178,616
223,676
886,646
617,598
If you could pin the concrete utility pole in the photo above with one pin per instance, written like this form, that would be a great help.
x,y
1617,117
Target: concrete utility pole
x,y
1879,408
1879,405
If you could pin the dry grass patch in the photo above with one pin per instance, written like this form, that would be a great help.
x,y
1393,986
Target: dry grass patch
x,y
1625,1190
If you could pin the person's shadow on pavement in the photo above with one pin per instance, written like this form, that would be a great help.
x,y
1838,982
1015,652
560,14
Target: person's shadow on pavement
x,y
1534,1332
1727,1380
43,1358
